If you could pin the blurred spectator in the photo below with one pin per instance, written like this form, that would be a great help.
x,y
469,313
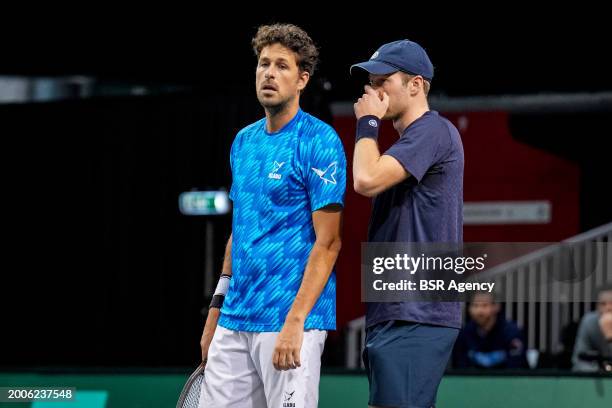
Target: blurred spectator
x,y
488,340
594,337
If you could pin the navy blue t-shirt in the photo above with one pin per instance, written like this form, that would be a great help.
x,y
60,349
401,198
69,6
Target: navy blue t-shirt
x,y
426,207
502,347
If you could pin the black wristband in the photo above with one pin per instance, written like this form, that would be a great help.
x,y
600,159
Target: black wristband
x,y
367,126
217,301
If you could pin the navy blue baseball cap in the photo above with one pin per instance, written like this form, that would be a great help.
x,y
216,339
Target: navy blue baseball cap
x,y
403,55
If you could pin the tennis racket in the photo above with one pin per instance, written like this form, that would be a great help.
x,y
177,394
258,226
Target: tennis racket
x,y
190,395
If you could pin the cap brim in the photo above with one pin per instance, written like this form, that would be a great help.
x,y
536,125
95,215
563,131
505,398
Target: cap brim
x,y
375,67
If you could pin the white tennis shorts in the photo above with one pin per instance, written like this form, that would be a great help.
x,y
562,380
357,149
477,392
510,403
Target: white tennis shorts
x,y
239,372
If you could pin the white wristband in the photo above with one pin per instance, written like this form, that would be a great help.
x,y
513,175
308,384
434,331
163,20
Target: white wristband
x,y
223,285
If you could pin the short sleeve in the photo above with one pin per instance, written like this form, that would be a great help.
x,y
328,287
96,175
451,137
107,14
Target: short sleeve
x,y
324,169
418,149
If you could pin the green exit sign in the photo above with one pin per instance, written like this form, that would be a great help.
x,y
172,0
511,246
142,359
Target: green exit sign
x,y
204,203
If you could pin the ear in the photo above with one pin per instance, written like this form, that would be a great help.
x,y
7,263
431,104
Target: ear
x,y
496,307
303,78
416,85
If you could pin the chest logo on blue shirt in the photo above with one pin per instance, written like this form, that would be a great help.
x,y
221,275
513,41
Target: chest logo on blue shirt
x,y
275,169
327,175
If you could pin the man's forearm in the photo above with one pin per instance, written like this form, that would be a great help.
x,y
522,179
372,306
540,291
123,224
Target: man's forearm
x,y
227,259
214,311
226,274
364,162
318,269
374,173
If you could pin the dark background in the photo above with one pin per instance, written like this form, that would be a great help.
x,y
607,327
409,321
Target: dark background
x,y
505,48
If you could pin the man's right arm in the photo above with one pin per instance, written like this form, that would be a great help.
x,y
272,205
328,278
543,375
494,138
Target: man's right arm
x,y
373,173
214,312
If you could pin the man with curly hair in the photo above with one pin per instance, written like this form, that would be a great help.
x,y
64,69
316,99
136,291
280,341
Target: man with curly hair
x,y
275,301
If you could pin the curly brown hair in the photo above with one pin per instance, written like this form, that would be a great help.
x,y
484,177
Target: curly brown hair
x,y
292,37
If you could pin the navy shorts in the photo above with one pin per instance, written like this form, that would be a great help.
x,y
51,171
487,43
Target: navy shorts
x,y
405,362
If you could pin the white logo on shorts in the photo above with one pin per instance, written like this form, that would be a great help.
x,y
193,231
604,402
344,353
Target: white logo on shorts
x,y
288,396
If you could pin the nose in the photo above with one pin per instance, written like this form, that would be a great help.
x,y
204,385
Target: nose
x,y
377,88
270,72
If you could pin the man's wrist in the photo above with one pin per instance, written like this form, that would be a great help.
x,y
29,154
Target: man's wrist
x,y
216,302
367,126
220,292
294,318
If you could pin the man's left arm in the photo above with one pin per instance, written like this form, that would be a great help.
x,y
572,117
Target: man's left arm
x,y
327,224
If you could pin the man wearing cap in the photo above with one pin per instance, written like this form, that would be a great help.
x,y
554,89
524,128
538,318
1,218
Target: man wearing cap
x,y
417,187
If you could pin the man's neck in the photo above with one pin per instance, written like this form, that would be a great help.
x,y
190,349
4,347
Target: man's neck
x,y
401,123
276,120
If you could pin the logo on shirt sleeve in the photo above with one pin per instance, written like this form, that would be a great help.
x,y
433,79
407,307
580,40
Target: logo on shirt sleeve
x,y
275,169
327,175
